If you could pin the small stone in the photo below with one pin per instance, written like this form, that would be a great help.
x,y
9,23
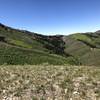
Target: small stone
x,y
75,92
66,90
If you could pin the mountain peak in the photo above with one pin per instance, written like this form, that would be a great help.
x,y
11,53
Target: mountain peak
x,y
2,25
97,31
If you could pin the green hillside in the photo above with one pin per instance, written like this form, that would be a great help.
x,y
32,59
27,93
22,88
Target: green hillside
x,y
85,47
23,47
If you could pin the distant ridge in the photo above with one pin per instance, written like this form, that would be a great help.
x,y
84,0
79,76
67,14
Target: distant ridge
x,y
24,47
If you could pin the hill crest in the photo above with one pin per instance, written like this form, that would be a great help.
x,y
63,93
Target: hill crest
x,y
74,49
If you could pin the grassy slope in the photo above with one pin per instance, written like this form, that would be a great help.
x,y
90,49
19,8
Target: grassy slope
x,y
20,38
49,82
22,47
17,55
85,47
74,49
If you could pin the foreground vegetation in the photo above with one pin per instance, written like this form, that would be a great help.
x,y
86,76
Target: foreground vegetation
x,y
49,82
11,55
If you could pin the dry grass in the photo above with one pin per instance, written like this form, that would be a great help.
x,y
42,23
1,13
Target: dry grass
x,y
46,82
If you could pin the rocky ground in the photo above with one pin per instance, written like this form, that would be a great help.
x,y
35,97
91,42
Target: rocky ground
x,y
45,82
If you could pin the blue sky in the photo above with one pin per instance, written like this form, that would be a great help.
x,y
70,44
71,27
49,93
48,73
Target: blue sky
x,y
51,16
